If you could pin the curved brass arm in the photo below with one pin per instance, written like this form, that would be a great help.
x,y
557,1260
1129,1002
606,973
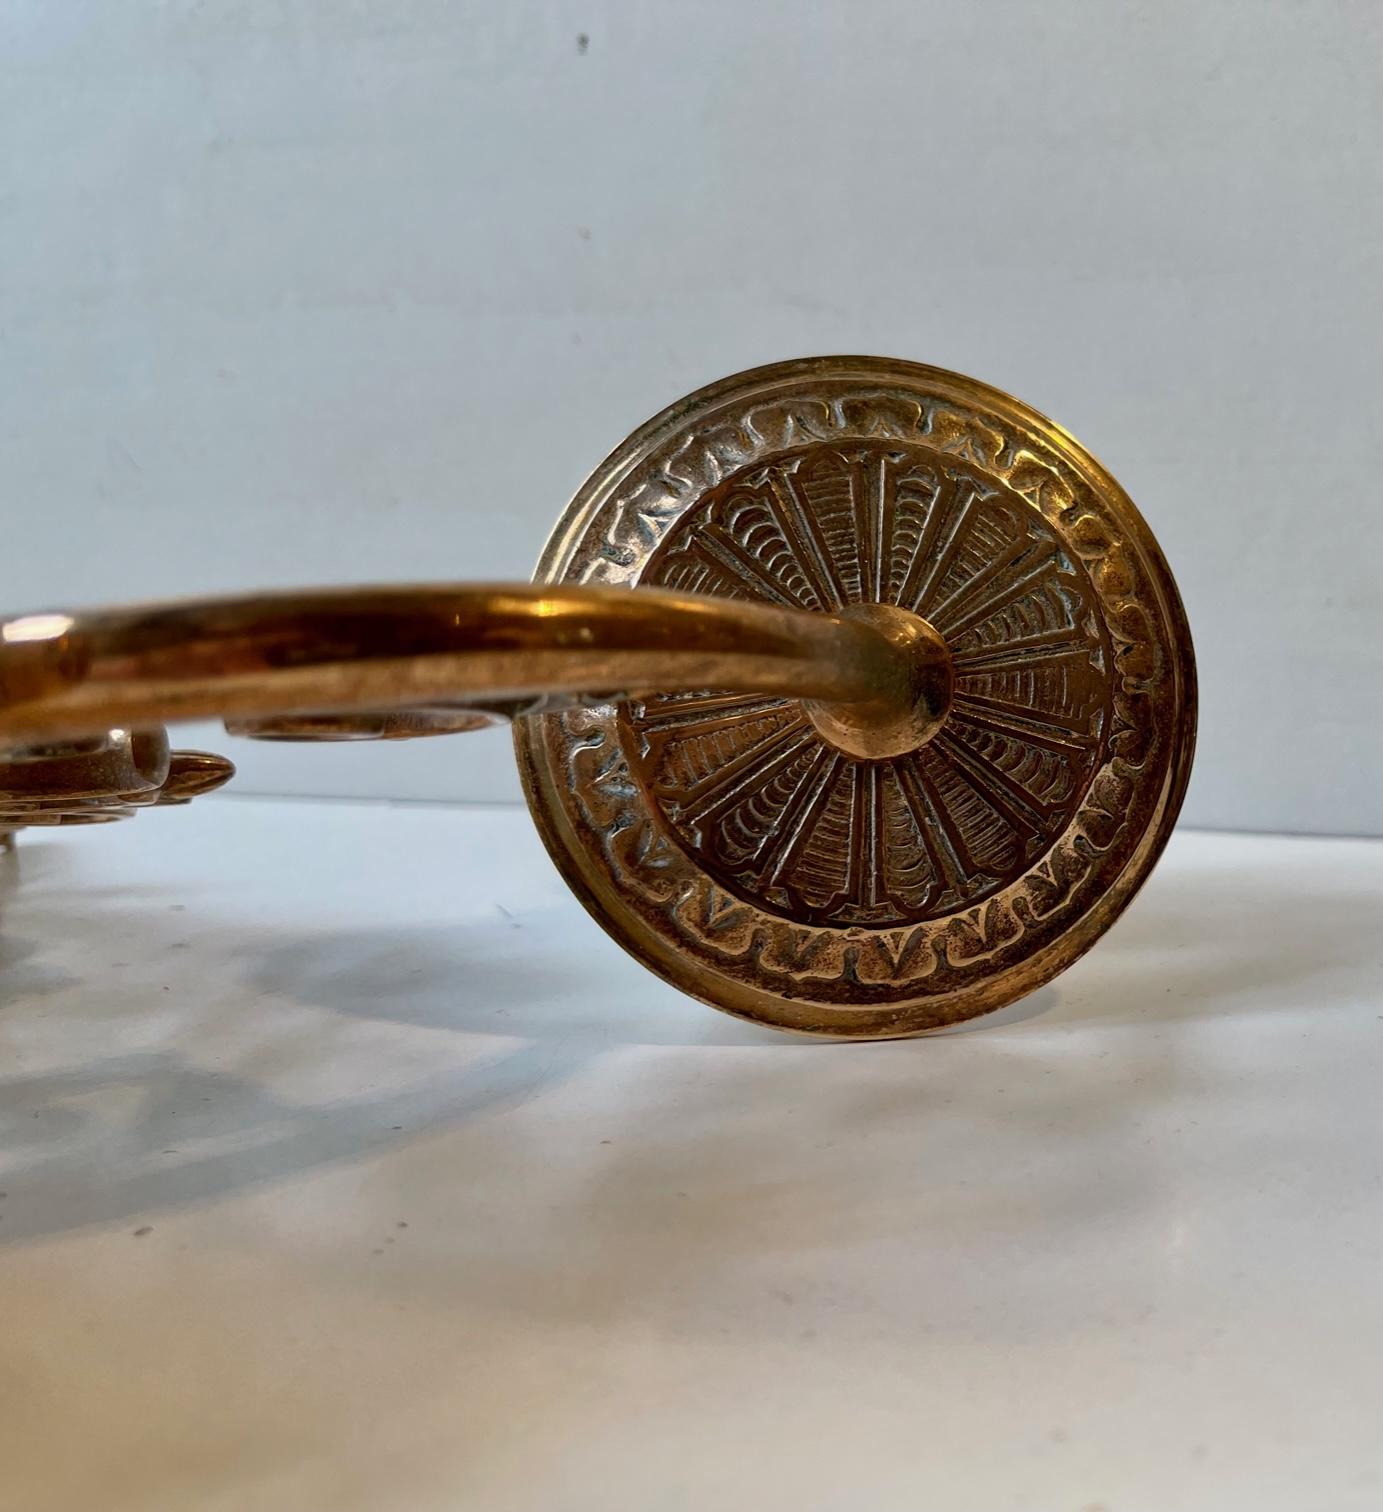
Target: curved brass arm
x,y
419,649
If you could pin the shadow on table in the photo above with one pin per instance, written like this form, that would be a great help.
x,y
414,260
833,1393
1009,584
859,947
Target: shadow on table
x,y
1211,939
798,1148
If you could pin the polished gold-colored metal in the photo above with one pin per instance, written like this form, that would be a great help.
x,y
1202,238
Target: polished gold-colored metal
x,y
896,718
745,850
424,652
100,778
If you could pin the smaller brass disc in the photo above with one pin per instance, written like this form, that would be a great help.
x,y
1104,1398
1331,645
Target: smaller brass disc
x,y
867,871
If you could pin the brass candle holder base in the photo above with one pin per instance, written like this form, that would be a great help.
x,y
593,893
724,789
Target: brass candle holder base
x,y
854,697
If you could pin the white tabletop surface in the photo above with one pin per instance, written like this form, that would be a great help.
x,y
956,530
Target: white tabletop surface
x,y
346,1164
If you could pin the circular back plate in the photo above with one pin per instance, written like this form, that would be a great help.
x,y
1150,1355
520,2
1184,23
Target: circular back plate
x,y
735,852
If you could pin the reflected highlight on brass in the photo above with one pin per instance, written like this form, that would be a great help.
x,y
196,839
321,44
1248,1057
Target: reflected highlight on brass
x,y
856,698
363,651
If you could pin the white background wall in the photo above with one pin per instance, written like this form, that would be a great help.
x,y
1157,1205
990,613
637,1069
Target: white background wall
x,y
328,292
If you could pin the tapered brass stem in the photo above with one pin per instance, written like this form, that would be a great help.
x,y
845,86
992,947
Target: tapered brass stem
x,y
397,648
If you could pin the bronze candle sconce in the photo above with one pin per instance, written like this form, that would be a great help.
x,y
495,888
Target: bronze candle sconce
x,y
852,696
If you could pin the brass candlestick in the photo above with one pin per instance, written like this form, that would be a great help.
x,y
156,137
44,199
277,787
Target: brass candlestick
x,y
853,696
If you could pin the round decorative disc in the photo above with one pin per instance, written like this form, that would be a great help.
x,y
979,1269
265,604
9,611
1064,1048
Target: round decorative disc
x,y
745,856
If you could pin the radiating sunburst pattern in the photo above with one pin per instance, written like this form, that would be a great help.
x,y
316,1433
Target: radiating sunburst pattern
x,y
784,820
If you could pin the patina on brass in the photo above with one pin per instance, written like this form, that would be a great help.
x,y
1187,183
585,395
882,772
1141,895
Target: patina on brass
x,y
854,696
